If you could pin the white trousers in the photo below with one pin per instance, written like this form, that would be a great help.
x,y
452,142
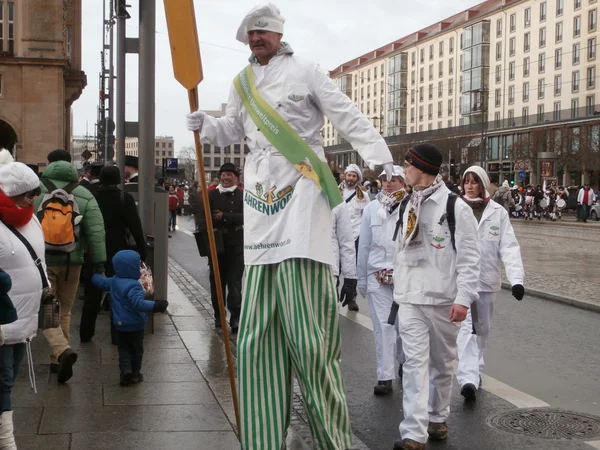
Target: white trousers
x,y
429,343
472,346
388,344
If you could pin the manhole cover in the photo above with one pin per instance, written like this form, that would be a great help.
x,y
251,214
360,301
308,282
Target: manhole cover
x,y
547,423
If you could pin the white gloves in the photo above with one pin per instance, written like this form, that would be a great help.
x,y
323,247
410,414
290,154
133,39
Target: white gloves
x,y
388,168
195,120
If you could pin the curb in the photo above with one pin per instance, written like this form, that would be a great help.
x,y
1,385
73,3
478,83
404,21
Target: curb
x,y
581,304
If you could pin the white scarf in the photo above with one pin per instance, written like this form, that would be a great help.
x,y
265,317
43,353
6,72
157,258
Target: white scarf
x,y
388,201
223,190
473,200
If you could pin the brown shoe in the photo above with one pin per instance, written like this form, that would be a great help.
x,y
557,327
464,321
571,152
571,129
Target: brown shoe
x,y
437,431
408,444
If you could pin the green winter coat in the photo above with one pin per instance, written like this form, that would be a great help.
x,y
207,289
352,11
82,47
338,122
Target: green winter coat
x,y
92,237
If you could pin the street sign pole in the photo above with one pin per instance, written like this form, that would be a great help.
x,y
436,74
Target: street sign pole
x,y
187,67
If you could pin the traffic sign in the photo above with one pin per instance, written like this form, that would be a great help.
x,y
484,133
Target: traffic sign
x,y
86,154
171,164
522,175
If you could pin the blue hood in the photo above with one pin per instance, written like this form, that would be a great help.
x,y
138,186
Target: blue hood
x,y
127,264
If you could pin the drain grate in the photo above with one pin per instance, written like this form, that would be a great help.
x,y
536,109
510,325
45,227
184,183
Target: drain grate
x,y
547,423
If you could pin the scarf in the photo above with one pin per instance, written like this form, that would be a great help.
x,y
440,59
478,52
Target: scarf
x,y
11,214
478,205
347,191
389,202
223,190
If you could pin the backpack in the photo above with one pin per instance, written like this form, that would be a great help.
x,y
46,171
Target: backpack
x,y
59,216
500,198
449,217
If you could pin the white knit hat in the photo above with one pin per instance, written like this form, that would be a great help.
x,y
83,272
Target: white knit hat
x,y
397,171
262,18
5,156
17,179
354,168
483,176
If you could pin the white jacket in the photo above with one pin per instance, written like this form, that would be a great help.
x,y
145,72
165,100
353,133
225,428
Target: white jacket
x,y
285,214
498,243
591,197
26,291
356,208
343,243
376,243
445,276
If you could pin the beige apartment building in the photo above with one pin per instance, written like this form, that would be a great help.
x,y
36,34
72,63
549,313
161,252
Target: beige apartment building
x,y
164,147
521,74
40,75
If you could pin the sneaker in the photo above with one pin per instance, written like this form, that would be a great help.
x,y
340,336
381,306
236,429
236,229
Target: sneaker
x,y
383,387
126,379
408,444
137,378
352,306
65,365
469,392
437,431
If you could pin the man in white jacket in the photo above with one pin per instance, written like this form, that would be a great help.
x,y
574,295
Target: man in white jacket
x,y
436,274
344,255
289,320
375,274
585,199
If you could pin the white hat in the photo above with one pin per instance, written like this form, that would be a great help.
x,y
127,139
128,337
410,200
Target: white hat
x,y
398,171
5,156
505,183
263,18
483,176
354,168
17,179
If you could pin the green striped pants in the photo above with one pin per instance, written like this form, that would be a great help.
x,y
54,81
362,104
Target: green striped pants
x,y
290,321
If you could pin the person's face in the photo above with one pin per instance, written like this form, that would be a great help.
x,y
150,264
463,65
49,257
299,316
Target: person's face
x,y
393,185
264,44
228,179
472,187
411,174
171,189
25,200
351,179
130,170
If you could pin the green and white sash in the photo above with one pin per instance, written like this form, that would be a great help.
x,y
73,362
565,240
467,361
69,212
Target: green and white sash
x,y
283,137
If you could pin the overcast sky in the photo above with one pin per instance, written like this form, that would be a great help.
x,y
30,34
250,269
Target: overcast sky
x,y
329,32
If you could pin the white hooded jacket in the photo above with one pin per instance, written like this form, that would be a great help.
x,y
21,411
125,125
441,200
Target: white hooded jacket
x,y
344,251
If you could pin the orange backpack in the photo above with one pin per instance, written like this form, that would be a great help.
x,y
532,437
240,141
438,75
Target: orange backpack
x,y
59,216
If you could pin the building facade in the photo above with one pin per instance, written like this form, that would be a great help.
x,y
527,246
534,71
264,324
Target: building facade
x,y
40,75
79,144
509,84
164,147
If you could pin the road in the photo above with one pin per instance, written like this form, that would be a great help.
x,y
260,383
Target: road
x,y
541,353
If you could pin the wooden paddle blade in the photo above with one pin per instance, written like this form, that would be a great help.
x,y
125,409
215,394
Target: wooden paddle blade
x,y
183,36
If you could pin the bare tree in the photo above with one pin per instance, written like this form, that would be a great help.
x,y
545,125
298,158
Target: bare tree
x,y
187,161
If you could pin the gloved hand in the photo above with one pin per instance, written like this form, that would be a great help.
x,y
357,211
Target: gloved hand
x,y
195,120
518,291
348,291
388,168
160,306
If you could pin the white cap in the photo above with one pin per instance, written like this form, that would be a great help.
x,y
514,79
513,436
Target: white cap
x,y
483,176
398,171
5,156
354,168
17,179
262,18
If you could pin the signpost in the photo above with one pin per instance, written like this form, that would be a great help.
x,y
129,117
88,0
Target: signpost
x,y
522,175
187,67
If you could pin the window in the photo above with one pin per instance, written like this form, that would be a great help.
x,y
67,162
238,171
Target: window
x,y
369,75
440,110
575,81
527,17
431,92
499,50
542,63
7,27
441,48
498,74
525,115
542,37
237,148
511,114
450,124
422,58
421,113
227,159
560,6
440,89
559,32
207,161
576,4
592,20
441,69
157,144
575,107
237,162
164,153
511,95
526,91
591,49
413,78
412,96
217,150
430,52
526,42
558,58
430,72
205,148
430,111
542,11
497,118
451,86
513,23
499,28
421,74
362,93
511,71
450,108
589,105
217,161
413,59
540,113
512,47
591,77
526,67
451,66
577,26
451,45
576,53
556,115
541,88
557,84
497,97
421,94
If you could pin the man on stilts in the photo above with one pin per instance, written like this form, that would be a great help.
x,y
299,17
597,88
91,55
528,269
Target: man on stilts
x,y
289,316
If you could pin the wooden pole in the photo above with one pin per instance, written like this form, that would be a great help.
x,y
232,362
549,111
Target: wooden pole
x,y
187,67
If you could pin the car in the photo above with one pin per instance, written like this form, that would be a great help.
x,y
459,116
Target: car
x,y
595,212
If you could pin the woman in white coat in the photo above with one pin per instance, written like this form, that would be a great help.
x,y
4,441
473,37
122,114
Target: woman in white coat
x,y
19,186
498,243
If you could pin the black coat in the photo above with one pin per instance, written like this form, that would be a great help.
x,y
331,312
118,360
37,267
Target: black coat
x,y
117,217
232,206
92,187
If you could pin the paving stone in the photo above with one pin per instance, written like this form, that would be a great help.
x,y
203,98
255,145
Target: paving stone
x,y
196,323
44,441
212,440
181,393
53,394
26,420
157,356
134,418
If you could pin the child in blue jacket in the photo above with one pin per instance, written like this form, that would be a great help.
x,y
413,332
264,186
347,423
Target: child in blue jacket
x,y
129,312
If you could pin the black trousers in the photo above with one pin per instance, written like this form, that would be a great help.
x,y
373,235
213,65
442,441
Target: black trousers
x,y
92,305
131,351
231,269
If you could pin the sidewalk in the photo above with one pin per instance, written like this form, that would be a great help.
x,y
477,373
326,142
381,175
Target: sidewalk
x,y
183,403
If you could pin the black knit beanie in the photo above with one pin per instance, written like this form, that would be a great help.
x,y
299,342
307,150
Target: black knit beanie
x,y
425,157
59,155
110,176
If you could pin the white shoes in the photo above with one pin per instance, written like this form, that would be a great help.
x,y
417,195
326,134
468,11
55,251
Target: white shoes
x,y
7,438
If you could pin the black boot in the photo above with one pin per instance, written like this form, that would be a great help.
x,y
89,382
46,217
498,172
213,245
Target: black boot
x,y
234,323
65,365
469,392
383,388
353,306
